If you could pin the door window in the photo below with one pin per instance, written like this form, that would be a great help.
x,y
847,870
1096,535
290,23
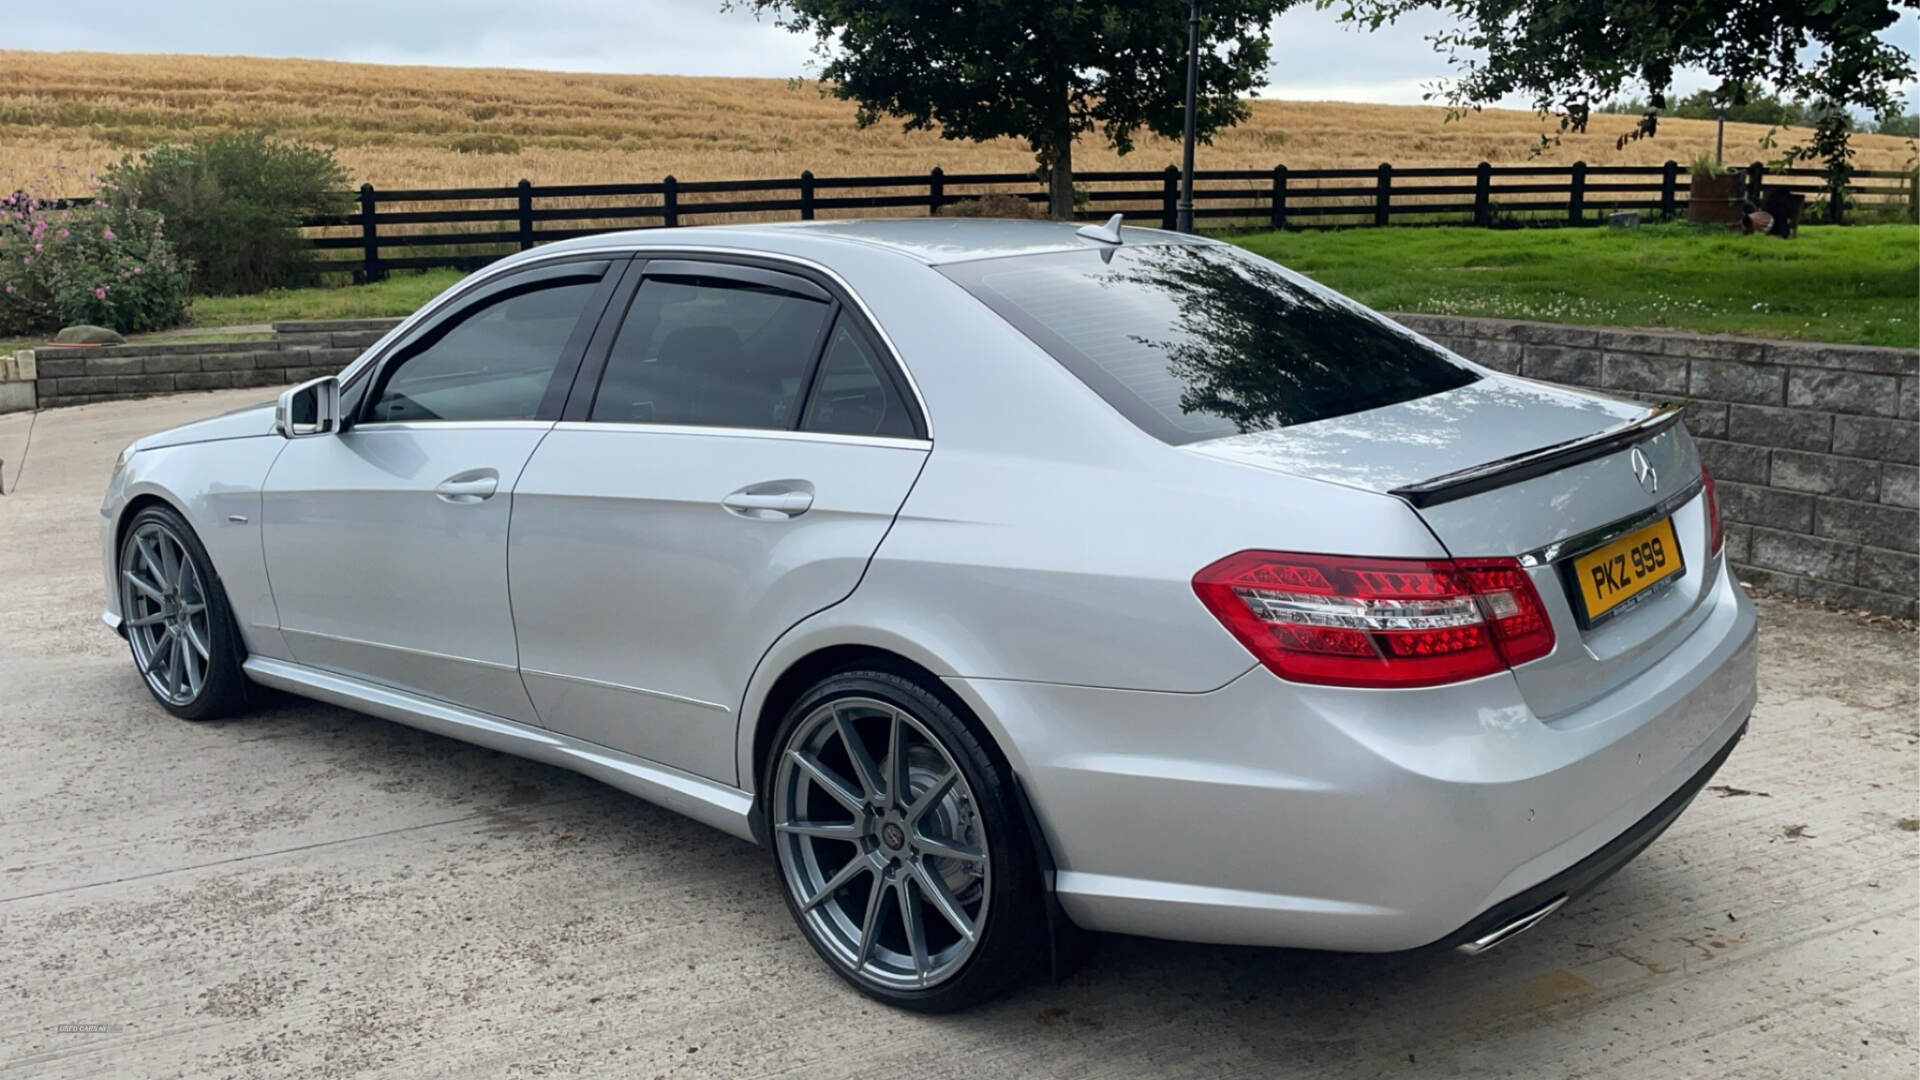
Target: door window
x,y
852,393
495,362
713,352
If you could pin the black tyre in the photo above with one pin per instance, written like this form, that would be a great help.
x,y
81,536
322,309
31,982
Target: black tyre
x,y
900,844
176,617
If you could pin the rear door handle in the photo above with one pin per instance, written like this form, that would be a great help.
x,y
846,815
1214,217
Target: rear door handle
x,y
767,501
468,487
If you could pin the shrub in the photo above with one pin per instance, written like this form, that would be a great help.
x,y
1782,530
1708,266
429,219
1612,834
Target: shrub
x,y
1707,165
98,263
484,142
233,204
994,205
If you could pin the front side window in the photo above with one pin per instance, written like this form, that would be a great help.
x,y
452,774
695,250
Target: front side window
x,y
494,364
1197,342
712,352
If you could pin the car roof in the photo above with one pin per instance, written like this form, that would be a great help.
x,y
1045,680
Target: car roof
x,y
931,240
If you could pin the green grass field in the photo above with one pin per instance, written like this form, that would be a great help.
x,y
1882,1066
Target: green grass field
x,y
1855,285
399,294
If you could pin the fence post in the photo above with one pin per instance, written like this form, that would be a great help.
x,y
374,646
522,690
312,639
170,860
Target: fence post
x,y
370,235
1279,197
1756,176
670,202
806,195
1577,194
1170,198
936,191
1384,196
1670,190
526,214
1483,195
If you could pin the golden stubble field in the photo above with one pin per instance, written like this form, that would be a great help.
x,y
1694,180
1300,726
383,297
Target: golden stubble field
x,y
399,126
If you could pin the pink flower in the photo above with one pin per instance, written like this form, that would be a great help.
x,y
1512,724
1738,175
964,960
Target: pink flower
x,y
99,294
63,234
9,288
108,234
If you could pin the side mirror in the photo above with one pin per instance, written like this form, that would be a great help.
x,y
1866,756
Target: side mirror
x,y
312,408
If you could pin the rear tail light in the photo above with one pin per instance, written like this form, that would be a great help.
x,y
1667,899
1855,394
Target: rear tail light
x,y
1716,535
1377,622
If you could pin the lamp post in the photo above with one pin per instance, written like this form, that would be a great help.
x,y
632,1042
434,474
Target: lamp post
x,y
1183,219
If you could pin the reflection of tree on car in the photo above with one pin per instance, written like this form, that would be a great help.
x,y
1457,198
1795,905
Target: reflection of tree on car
x,y
1263,350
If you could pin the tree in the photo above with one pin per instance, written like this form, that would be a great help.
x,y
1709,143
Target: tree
x,y
1568,55
1754,107
1906,127
1046,72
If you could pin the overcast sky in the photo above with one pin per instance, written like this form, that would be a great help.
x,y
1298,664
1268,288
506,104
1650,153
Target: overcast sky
x,y
1314,58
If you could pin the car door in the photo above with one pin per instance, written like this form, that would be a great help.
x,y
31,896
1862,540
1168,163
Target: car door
x,y
386,544
737,447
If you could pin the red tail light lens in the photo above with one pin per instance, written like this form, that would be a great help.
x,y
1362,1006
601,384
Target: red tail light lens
x,y
1716,535
1377,622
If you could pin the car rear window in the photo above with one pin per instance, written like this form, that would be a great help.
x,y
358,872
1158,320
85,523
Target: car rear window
x,y
1197,342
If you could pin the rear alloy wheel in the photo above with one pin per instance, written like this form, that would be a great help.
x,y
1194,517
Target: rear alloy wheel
x,y
176,618
899,845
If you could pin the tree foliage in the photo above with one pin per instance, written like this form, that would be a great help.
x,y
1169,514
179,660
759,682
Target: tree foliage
x,y
1045,71
1570,55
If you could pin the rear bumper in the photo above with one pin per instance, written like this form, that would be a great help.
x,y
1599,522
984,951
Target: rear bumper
x,y
1270,813
1498,922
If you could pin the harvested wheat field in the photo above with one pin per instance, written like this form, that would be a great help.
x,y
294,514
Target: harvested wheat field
x,y
438,127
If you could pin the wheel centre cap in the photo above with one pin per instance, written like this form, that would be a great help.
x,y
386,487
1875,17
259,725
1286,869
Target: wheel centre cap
x,y
893,836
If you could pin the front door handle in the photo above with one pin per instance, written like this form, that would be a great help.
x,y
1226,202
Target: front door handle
x,y
468,487
767,501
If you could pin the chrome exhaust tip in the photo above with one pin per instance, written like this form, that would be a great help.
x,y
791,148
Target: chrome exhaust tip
x,y
1516,927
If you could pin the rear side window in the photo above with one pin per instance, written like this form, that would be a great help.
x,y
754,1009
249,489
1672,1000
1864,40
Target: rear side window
x,y
713,352
852,394
1193,343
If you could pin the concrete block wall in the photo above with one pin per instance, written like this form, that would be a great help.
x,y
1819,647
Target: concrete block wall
x,y
1815,448
296,352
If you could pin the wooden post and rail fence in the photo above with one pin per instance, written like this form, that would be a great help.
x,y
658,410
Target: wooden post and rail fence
x,y
468,227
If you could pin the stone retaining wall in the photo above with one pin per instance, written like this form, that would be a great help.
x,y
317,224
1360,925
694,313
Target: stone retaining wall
x,y
298,351
1814,447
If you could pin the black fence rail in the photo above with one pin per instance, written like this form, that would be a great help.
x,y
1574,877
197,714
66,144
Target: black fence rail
x,y
407,229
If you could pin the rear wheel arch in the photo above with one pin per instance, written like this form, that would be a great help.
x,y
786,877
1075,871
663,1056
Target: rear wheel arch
x,y
807,671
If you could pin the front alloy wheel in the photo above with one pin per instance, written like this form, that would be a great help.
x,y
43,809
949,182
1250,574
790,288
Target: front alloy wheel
x,y
176,618
168,620
896,862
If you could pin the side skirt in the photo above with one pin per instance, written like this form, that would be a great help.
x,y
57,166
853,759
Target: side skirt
x,y
725,808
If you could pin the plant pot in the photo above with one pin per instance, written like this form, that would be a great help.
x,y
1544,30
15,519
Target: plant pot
x,y
1714,200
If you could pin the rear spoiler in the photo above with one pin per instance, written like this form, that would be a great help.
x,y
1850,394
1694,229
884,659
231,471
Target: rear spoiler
x,y
1512,470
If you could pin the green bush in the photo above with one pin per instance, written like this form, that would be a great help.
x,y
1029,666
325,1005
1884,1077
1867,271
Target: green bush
x,y
98,263
232,204
484,142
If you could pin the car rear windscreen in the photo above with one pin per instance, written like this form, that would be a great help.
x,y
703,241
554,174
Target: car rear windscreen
x,y
1196,342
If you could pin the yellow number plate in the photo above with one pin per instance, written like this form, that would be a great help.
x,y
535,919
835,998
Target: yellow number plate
x,y
1612,575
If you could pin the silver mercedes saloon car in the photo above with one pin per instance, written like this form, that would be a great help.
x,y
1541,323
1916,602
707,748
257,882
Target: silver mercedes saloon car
x,y
1005,579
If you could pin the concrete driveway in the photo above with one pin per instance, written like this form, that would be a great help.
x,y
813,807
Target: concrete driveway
x,y
311,892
